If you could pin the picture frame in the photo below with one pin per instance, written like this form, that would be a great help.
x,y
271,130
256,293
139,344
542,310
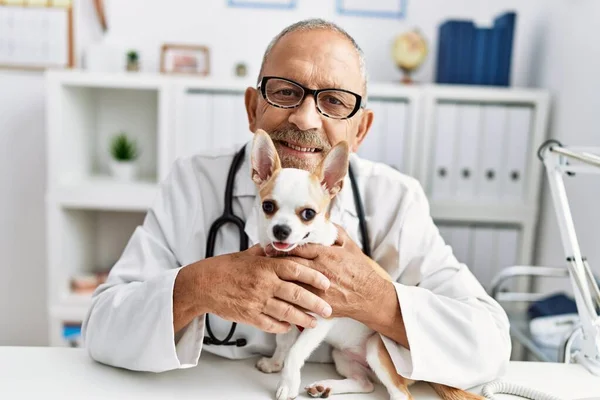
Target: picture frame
x,y
393,9
185,59
273,4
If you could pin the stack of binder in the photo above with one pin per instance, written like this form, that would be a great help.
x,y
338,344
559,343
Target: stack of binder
x,y
476,56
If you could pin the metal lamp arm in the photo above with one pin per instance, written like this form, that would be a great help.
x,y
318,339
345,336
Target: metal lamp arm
x,y
585,288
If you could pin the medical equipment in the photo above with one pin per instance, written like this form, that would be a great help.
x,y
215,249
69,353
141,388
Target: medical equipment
x,y
585,288
229,217
587,295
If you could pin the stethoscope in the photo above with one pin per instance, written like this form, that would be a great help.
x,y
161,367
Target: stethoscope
x,y
229,217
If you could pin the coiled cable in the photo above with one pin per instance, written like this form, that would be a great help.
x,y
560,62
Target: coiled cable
x,y
500,387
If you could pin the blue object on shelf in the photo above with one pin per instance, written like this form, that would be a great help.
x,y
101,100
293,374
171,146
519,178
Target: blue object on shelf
x,y
557,304
71,331
476,56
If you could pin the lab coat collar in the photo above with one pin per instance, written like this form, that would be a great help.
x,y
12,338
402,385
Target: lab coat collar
x,y
244,186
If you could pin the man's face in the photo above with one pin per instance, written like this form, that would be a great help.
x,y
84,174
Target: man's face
x,y
315,59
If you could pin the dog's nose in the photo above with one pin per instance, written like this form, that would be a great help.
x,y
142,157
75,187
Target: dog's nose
x,y
281,232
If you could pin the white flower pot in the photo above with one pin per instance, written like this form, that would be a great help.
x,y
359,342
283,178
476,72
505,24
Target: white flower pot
x,y
124,170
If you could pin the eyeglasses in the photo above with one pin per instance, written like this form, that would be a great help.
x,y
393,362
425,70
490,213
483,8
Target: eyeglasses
x,y
333,103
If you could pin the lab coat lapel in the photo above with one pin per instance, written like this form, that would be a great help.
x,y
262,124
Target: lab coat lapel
x,y
343,211
246,192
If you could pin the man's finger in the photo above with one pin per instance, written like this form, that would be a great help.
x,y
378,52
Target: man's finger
x,y
292,271
256,250
299,296
308,251
286,312
271,325
342,236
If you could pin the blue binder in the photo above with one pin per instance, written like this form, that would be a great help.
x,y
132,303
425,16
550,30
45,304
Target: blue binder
x,y
476,56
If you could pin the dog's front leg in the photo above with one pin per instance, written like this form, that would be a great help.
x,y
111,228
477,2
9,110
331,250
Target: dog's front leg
x,y
307,342
284,344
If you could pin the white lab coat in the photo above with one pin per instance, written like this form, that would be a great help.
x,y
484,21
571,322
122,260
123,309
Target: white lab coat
x,y
458,335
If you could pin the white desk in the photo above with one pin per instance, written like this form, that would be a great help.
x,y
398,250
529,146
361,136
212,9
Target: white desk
x,y
40,372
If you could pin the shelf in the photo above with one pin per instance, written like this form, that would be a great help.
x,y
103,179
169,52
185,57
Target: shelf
x,y
72,307
103,193
479,213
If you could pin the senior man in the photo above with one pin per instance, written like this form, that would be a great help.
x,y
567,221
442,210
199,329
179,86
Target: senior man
x,y
437,321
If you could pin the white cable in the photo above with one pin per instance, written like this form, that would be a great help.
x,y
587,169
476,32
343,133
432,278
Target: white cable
x,y
499,387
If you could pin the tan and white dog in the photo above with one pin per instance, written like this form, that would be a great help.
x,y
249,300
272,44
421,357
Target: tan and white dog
x,y
295,211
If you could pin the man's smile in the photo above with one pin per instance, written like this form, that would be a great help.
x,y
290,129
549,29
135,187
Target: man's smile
x,y
298,148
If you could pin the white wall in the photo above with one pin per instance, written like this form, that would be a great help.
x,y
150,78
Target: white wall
x,y
146,24
567,62
223,30
22,216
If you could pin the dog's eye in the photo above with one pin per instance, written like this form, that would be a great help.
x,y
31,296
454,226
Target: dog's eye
x,y
268,207
307,214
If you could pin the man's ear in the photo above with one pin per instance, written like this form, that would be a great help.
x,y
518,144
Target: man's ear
x,y
265,160
364,125
334,167
250,100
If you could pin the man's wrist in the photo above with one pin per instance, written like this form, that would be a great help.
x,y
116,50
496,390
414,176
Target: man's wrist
x,y
383,313
191,293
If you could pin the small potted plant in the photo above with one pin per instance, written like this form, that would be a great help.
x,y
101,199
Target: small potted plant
x,y
124,152
133,61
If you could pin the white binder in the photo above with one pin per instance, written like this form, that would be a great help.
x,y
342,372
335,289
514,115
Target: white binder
x,y
467,155
462,243
371,147
223,129
443,153
494,119
517,151
395,135
508,249
198,124
484,254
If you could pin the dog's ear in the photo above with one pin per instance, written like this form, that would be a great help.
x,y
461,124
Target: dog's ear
x,y
265,160
334,167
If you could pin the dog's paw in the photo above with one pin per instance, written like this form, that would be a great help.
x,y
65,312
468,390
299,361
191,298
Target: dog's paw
x,y
317,389
285,393
268,365
287,390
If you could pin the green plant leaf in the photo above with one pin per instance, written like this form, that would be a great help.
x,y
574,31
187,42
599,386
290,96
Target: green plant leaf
x,y
123,149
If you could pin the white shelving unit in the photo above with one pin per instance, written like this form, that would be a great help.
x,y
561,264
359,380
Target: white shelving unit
x,y
91,216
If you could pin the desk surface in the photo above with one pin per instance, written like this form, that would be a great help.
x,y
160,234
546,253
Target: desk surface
x,y
38,372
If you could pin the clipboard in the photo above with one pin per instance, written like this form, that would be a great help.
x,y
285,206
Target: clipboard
x,y
36,34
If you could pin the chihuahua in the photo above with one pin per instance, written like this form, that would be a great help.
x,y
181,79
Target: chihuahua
x,y
295,211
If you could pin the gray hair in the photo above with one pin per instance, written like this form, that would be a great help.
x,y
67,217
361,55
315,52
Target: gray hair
x,y
317,23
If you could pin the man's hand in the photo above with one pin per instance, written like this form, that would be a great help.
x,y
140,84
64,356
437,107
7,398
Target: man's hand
x,y
248,287
354,280
360,289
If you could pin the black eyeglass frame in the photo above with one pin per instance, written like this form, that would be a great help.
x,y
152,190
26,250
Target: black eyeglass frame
x,y
315,92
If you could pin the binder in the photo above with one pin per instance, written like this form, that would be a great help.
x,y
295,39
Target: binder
x,y
441,174
466,164
371,147
508,240
491,154
222,135
198,124
484,254
446,233
517,151
395,134
461,244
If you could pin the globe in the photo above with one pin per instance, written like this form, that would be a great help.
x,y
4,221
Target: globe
x,y
409,51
